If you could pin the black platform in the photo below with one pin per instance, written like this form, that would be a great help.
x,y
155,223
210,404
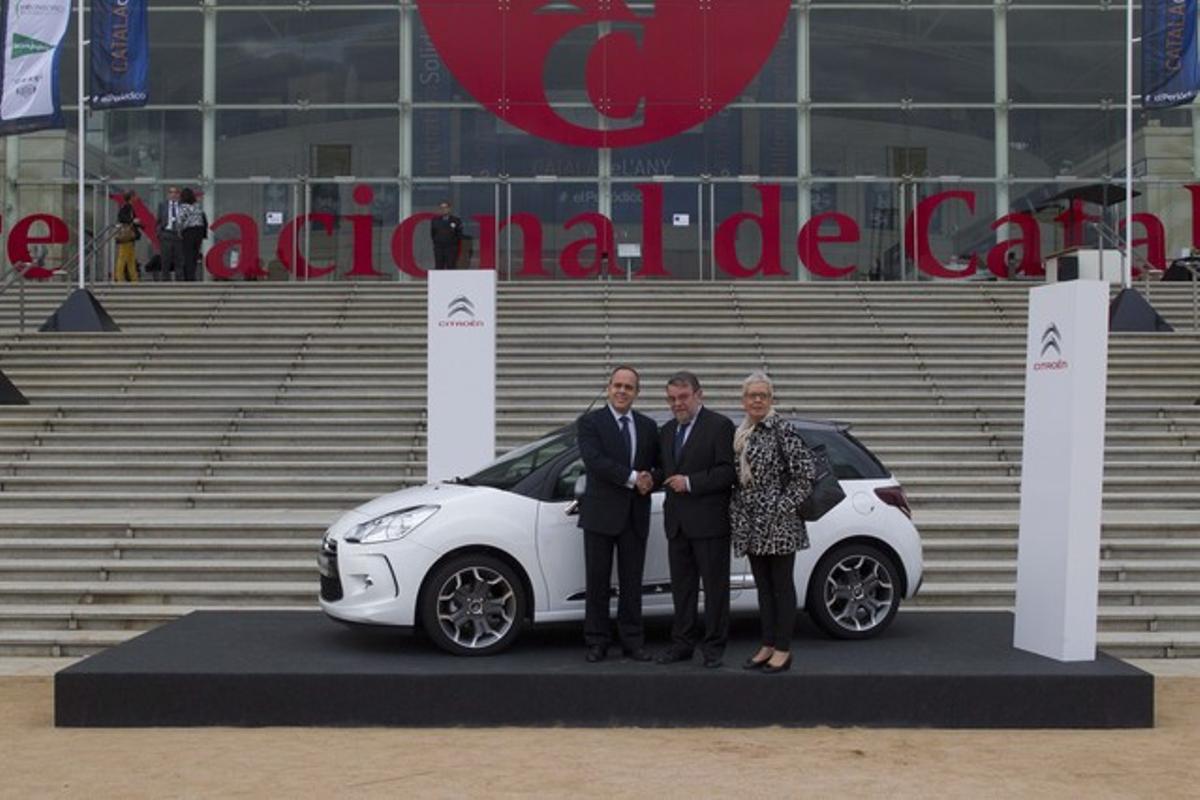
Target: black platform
x,y
297,668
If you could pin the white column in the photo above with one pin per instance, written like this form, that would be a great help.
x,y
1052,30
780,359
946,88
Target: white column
x,y
208,118
461,430
1000,68
404,144
803,129
1062,470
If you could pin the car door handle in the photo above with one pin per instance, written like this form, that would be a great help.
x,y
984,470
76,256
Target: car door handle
x,y
572,509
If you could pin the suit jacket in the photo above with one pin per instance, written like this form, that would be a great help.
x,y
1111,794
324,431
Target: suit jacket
x,y
607,504
708,462
446,230
164,216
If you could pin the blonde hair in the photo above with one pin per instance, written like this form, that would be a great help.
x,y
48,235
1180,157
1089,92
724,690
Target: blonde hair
x,y
741,437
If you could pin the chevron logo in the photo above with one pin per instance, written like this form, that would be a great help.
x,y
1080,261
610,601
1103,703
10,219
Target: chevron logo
x,y
461,305
1052,340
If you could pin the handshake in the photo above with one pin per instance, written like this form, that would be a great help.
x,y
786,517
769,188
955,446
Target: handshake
x,y
645,483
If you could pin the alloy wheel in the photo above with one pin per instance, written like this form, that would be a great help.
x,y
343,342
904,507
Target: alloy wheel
x,y
476,607
859,593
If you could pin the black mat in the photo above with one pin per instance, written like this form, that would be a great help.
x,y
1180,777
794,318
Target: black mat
x,y
299,668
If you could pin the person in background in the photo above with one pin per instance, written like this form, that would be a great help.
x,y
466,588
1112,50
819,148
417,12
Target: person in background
x,y
447,233
775,475
170,245
128,232
193,230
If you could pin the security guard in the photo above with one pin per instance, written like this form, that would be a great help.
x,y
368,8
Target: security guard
x,y
447,232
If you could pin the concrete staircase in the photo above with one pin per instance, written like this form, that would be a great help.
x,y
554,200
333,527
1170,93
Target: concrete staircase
x,y
193,460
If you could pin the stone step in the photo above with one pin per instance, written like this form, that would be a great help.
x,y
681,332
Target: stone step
x,y
297,549
131,618
1112,549
223,594
1175,570
284,500
133,570
199,469
938,595
220,453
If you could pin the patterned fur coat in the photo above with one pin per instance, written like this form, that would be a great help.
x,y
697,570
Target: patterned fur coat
x,y
765,510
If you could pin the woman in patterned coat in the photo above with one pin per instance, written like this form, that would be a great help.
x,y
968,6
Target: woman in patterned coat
x,y
775,474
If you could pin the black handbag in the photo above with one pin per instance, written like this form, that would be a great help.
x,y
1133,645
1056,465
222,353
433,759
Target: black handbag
x,y
826,491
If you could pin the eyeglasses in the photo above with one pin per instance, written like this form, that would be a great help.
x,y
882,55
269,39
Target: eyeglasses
x,y
757,396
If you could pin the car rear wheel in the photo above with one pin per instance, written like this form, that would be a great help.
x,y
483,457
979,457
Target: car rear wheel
x,y
473,605
854,592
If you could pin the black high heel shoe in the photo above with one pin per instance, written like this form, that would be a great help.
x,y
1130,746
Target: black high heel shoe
x,y
750,663
784,667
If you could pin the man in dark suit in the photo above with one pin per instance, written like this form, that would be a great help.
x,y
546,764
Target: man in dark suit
x,y
170,240
447,233
698,471
619,447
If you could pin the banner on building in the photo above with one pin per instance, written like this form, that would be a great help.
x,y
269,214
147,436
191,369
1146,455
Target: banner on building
x,y
33,31
120,54
1170,60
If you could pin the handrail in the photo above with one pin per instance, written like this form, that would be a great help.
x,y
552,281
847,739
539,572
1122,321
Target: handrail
x,y
18,277
21,268
1194,269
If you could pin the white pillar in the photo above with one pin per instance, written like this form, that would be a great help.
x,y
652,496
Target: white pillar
x,y
803,130
461,429
1000,68
1062,470
208,118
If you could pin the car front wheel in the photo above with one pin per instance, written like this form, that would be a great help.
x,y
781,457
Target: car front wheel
x,y
854,592
473,605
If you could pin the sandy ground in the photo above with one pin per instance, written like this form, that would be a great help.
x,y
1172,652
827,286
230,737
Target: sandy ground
x,y
38,760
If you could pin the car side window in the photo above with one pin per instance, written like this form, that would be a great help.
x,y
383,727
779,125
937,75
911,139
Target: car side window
x,y
564,487
846,456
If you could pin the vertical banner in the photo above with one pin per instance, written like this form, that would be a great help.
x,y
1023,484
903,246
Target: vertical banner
x,y
1062,470
462,372
33,32
119,54
1170,66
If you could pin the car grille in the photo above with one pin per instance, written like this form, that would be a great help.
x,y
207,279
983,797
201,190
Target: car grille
x,y
331,582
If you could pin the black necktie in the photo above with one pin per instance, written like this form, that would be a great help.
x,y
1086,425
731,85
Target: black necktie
x,y
680,435
628,437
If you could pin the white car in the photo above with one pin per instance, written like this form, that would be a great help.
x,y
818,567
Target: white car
x,y
471,561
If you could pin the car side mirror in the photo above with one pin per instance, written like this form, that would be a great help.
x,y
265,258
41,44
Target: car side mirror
x,y
580,486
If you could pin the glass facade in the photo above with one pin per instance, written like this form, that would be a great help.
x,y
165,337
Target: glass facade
x,y
876,140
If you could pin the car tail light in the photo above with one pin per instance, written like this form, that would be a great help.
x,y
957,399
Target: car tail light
x,y
894,496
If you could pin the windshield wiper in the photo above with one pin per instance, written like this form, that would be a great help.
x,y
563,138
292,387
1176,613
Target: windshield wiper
x,y
460,481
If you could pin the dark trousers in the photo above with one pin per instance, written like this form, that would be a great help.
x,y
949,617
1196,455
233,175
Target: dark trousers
x,y
776,598
598,559
696,562
172,256
445,255
191,239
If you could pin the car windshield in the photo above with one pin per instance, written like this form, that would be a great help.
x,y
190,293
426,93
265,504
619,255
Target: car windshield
x,y
516,465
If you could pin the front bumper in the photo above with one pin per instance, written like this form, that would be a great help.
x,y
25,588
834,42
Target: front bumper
x,y
373,585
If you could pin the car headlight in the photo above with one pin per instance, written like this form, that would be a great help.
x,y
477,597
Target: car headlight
x,y
392,526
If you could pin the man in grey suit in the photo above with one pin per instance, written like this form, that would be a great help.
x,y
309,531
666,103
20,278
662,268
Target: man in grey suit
x,y
698,471
170,242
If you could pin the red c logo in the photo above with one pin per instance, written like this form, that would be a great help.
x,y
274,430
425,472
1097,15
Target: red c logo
x,y
664,73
